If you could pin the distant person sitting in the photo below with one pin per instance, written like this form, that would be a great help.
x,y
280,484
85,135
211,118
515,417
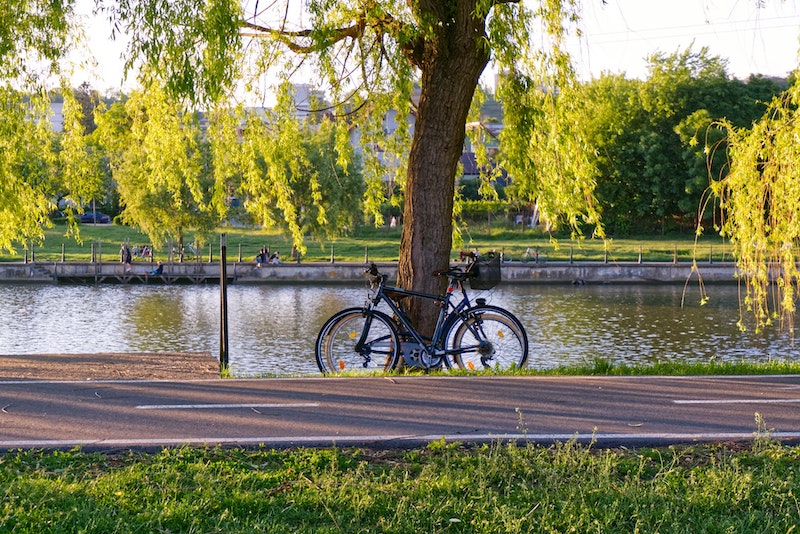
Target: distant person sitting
x,y
262,257
275,258
158,270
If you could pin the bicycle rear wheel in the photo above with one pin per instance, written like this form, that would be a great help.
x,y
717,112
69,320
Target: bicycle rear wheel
x,y
357,341
489,338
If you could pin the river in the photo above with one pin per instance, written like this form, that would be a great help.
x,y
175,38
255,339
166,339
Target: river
x,y
272,328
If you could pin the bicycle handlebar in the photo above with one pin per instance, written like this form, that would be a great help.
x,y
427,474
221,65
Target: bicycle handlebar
x,y
456,273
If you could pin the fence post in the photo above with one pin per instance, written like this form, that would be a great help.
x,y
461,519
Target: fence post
x,y
62,253
640,254
710,254
366,255
675,254
332,255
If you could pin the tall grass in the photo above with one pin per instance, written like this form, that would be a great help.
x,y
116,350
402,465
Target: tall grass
x,y
501,487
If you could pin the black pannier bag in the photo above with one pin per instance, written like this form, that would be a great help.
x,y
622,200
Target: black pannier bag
x,y
485,272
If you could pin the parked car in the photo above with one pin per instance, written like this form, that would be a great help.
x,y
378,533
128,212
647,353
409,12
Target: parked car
x,y
94,217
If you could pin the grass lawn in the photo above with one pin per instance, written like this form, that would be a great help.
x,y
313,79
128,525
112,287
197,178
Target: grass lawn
x,y
500,487
381,244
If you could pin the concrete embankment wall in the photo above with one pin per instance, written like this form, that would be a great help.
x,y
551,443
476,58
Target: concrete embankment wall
x,y
512,272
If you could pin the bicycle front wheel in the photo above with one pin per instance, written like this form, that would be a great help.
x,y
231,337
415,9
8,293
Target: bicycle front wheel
x,y
489,338
357,341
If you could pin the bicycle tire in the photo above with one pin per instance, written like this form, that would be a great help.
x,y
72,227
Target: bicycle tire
x,y
336,343
489,338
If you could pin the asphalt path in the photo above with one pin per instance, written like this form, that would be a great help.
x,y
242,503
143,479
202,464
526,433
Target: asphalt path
x,y
396,411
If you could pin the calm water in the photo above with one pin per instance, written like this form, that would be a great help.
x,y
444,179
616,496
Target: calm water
x,y
273,328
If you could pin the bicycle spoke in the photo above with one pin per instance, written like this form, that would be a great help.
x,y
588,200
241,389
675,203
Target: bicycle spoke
x,y
350,343
490,338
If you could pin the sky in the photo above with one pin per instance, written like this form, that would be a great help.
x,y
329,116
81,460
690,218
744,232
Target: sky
x,y
755,36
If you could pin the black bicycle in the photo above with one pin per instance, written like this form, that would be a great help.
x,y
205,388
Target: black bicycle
x,y
468,335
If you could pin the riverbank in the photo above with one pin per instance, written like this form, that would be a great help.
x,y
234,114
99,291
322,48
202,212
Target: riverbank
x,y
250,272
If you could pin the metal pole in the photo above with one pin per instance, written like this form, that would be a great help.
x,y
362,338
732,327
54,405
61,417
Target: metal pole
x,y
223,305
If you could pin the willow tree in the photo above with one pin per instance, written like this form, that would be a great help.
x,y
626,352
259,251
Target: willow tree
x,y
760,201
368,55
33,37
158,163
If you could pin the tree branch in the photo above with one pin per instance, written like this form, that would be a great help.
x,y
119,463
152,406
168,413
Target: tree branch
x,y
292,39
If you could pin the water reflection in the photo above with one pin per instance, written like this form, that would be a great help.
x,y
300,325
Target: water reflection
x,y
272,329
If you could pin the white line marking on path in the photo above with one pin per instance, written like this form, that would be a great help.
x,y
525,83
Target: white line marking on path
x,y
223,406
738,401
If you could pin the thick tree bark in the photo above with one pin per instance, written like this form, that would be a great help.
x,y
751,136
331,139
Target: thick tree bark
x,y
451,64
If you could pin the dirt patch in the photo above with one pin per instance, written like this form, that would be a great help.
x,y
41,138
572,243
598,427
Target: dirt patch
x,y
110,366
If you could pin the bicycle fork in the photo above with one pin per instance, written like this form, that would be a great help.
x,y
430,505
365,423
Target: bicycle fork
x,y
361,347
485,347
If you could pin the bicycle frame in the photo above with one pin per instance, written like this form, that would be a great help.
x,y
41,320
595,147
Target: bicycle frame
x,y
448,310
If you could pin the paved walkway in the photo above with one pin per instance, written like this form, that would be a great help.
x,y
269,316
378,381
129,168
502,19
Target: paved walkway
x,y
396,411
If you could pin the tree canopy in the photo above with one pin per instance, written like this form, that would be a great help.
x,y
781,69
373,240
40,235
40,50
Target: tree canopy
x,y
369,56
638,147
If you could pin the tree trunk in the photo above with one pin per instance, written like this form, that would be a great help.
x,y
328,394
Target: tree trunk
x,y
455,59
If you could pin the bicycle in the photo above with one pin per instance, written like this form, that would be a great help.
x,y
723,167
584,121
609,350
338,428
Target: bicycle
x,y
467,336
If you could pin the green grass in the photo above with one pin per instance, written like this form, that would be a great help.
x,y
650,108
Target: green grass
x,y
605,368
601,367
381,244
500,487
443,487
